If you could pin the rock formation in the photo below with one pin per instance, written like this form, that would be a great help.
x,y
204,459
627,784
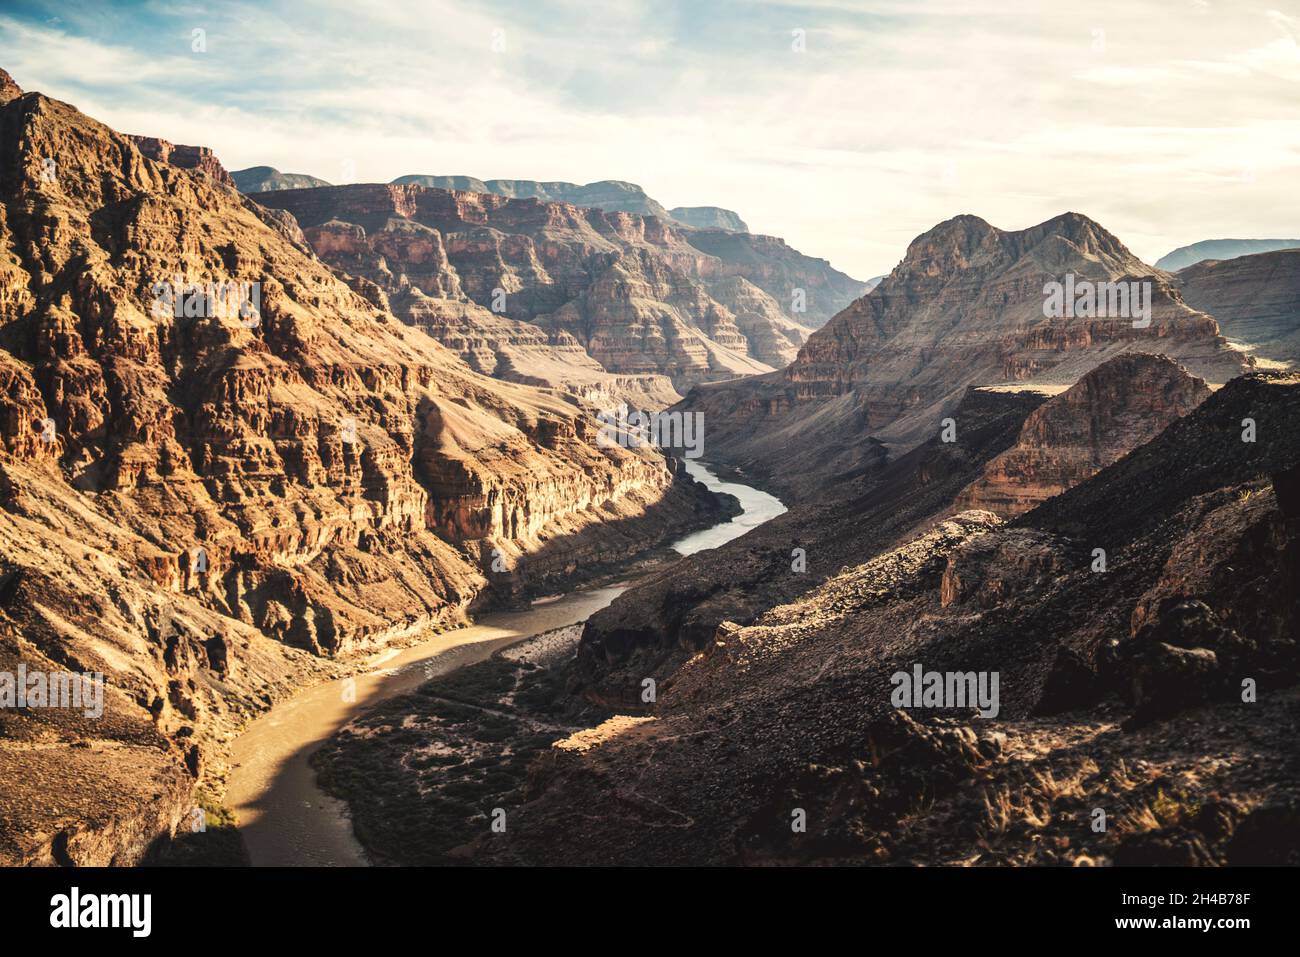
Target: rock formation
x,y
1255,298
1123,403
206,502
197,158
765,261
708,217
610,195
966,307
633,293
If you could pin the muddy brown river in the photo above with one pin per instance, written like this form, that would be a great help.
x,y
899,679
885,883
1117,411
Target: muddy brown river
x,y
286,820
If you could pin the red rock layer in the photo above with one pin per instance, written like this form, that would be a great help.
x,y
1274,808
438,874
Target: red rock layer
x,y
1120,405
639,295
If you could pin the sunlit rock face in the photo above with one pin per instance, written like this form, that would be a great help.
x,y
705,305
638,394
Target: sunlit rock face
x,y
203,504
1116,407
639,295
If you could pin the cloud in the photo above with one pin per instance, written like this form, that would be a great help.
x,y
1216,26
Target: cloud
x,y
896,115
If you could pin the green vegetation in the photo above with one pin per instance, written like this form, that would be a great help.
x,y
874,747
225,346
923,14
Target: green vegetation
x,y
217,844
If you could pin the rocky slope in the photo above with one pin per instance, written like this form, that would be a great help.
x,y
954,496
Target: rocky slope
x,y
1255,298
631,292
966,307
655,626
1124,689
262,179
1216,249
1118,406
206,504
765,261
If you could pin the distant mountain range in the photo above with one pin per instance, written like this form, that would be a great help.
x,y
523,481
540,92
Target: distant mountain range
x,y
611,195
1186,256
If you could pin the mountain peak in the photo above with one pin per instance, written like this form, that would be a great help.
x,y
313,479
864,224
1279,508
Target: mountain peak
x,y
262,179
9,90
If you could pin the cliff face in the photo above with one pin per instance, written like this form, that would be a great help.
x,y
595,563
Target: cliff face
x,y
612,195
1255,298
202,503
629,291
196,158
964,308
1120,405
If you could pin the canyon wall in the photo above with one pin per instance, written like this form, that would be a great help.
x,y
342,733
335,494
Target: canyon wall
x,y
206,504
1118,406
639,295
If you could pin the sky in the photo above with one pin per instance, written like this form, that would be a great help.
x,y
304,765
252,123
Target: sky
x,y
846,127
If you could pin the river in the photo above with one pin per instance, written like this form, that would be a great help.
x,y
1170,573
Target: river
x,y
286,820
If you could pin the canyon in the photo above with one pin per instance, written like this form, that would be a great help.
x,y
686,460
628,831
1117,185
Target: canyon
x,y
1093,524
1120,688
212,511
512,282
391,476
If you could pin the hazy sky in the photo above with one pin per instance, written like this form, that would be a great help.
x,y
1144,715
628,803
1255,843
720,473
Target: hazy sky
x,y
1169,121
